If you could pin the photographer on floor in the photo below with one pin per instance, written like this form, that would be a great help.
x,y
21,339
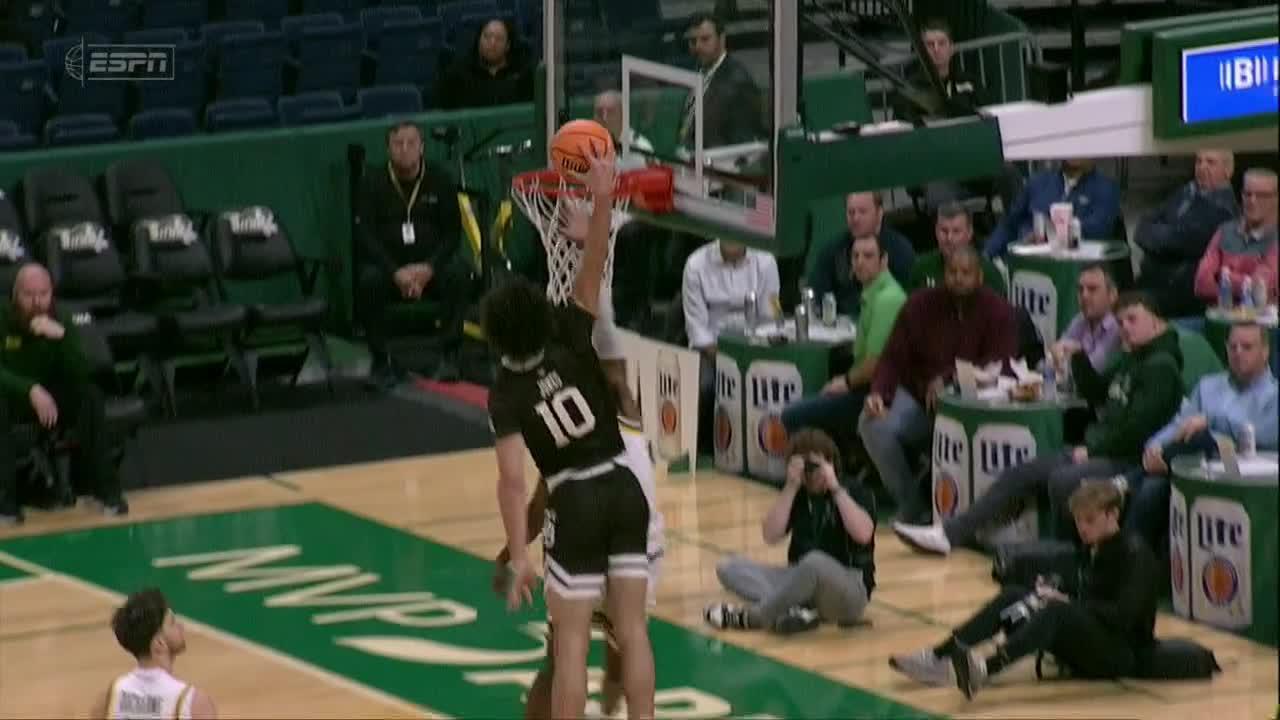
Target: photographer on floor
x,y
830,569
1096,635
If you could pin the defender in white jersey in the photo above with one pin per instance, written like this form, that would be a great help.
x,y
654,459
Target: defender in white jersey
x,y
147,628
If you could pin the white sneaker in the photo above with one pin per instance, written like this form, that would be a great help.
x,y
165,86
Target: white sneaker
x,y
926,538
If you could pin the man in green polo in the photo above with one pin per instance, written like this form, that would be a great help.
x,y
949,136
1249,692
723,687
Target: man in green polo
x,y
44,378
953,230
836,409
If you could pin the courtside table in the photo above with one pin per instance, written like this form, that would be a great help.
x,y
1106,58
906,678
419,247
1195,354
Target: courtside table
x,y
755,381
974,440
1043,280
1223,544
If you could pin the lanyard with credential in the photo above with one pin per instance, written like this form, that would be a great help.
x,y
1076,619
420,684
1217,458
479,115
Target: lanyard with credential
x,y
406,229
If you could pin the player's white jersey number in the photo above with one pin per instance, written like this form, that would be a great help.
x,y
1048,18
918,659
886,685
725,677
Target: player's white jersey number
x,y
567,415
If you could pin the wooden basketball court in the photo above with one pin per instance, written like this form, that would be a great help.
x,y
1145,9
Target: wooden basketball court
x,y
362,591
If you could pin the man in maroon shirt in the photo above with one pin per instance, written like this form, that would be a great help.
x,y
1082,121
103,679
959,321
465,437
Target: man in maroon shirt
x,y
961,320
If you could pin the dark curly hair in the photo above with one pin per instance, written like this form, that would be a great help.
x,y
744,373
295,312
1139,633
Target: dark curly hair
x,y
811,440
137,621
516,318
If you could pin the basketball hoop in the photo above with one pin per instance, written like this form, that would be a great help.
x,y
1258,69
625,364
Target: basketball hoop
x,y
551,200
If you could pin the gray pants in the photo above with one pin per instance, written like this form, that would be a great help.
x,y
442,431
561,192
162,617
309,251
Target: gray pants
x,y
835,591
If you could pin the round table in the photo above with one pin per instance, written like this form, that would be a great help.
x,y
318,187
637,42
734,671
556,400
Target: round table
x,y
974,440
1217,325
1223,544
1043,280
755,381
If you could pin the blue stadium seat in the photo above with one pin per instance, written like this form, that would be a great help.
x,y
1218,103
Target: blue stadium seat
x,y
316,107
188,14
328,58
37,24
187,91
17,141
251,66
376,102
350,9
76,98
241,114
109,17
451,14
157,36
211,34
12,53
294,25
375,18
163,123
82,129
270,12
23,98
408,53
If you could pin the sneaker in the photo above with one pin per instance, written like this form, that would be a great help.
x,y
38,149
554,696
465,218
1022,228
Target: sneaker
x,y
796,620
114,508
925,538
924,667
724,616
970,671
7,520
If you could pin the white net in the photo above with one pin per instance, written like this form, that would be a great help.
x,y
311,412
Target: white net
x,y
561,220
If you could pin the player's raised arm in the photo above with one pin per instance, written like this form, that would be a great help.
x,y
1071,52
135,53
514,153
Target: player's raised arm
x,y
600,179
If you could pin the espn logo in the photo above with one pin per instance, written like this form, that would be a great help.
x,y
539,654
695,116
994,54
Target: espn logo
x,y
114,61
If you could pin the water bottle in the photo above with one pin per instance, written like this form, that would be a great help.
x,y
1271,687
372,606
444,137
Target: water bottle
x,y
1246,292
802,321
1248,445
1224,290
1260,293
829,310
751,312
810,299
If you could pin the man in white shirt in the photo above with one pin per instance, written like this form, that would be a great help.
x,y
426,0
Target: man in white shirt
x,y
717,279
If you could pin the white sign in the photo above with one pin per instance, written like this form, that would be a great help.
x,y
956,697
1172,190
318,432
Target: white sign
x,y
1036,293
770,387
952,487
998,447
728,416
667,378
1179,554
1221,579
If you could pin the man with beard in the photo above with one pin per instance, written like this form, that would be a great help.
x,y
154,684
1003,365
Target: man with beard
x,y
45,377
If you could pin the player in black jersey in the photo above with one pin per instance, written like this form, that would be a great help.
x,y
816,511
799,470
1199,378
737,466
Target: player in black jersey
x,y
551,397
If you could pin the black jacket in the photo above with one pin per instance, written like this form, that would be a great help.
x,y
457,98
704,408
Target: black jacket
x,y
965,94
467,83
1173,238
437,221
733,109
1118,587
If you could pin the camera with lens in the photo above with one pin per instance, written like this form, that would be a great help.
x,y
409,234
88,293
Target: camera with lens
x,y
810,467
1014,616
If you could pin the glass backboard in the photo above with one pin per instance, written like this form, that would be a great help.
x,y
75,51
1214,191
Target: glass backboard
x,y
699,85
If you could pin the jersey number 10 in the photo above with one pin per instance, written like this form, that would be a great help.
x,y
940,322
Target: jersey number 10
x,y
558,413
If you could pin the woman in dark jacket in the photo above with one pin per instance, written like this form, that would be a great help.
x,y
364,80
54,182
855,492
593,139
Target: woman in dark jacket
x,y
495,71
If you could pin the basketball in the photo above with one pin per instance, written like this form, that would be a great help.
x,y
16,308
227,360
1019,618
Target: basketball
x,y
574,143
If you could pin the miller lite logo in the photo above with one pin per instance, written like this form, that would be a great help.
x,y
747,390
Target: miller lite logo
x,y
998,447
1179,553
951,485
728,416
669,420
770,387
1036,293
1221,579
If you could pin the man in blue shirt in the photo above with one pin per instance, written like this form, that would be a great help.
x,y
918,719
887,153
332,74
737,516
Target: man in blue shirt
x,y
1094,196
1221,403
832,269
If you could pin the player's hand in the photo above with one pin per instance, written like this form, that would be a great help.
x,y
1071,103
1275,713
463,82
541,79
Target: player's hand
x,y
45,407
522,581
601,179
45,326
501,574
874,406
836,386
1191,426
1153,461
795,471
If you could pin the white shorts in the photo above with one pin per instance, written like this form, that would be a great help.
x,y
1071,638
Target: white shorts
x,y
604,334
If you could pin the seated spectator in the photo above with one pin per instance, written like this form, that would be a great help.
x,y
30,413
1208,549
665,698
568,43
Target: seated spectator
x,y
1246,247
607,110
1221,403
496,71
717,279
953,229
1133,398
835,410
961,320
830,570
409,229
1094,330
1097,634
733,108
833,267
1095,197
45,378
1175,236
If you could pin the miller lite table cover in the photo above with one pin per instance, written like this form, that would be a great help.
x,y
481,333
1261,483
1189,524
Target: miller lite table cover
x,y
754,383
976,440
1223,550
1044,282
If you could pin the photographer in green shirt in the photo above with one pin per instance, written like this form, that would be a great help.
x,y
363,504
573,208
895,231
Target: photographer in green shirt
x,y
45,378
